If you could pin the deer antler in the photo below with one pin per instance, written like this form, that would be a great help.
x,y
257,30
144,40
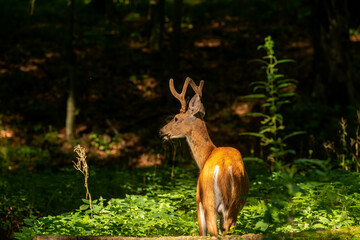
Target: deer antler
x,y
197,89
181,96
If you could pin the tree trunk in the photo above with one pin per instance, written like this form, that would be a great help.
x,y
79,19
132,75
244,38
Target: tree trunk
x,y
157,8
333,68
71,60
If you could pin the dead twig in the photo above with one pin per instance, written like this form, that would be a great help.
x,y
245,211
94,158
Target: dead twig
x,y
81,165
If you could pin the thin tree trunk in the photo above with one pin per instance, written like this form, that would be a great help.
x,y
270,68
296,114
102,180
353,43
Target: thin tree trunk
x,y
157,8
71,59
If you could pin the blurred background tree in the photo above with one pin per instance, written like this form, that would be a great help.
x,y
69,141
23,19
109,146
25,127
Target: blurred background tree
x,y
333,54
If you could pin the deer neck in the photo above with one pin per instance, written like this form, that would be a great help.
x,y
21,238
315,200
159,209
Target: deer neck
x,y
200,143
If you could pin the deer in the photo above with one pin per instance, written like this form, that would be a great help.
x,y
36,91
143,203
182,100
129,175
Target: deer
x,y
223,183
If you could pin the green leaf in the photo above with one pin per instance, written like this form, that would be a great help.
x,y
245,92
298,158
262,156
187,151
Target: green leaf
x,y
255,96
263,226
283,85
279,116
293,134
96,209
84,207
266,129
274,149
270,99
318,226
258,83
29,222
287,80
324,220
287,94
252,134
85,201
265,121
258,87
283,102
291,151
285,61
278,76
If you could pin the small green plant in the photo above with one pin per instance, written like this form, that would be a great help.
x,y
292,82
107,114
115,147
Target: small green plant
x,y
273,92
81,166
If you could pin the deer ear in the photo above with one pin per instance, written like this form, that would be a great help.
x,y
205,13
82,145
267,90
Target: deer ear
x,y
195,106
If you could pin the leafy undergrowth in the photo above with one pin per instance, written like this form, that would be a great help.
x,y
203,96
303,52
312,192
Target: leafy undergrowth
x,y
166,207
315,205
346,233
165,212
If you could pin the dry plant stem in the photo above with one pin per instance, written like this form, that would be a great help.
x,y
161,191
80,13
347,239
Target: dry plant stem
x,y
81,165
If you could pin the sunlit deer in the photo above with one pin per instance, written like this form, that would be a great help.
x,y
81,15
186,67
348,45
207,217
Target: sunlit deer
x,y
223,182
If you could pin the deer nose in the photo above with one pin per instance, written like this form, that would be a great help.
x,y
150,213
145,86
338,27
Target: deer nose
x,y
161,132
164,135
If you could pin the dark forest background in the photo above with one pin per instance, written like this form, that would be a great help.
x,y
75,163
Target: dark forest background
x,y
96,72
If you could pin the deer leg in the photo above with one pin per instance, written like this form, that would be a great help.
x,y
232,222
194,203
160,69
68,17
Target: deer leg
x,y
200,213
230,219
229,222
201,219
206,201
211,221
231,215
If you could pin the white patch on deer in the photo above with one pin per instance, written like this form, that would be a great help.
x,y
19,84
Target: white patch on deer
x,y
202,219
218,199
231,180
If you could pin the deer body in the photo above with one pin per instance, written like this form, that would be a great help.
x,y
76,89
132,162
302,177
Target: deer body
x,y
223,182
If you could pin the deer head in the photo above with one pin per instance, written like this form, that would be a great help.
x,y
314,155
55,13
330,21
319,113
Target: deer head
x,y
183,123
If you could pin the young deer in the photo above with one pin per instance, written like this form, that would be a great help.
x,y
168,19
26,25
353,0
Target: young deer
x,y
223,182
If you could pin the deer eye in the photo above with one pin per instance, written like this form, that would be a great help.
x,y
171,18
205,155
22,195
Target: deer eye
x,y
176,119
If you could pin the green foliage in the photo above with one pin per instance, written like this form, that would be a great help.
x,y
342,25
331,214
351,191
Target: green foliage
x,y
23,156
338,234
132,216
311,205
99,141
284,201
273,92
171,211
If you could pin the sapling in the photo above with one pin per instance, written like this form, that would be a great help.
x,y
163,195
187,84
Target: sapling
x,y
274,91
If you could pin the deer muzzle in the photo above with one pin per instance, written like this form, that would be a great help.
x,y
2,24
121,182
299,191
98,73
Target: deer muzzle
x,y
164,135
